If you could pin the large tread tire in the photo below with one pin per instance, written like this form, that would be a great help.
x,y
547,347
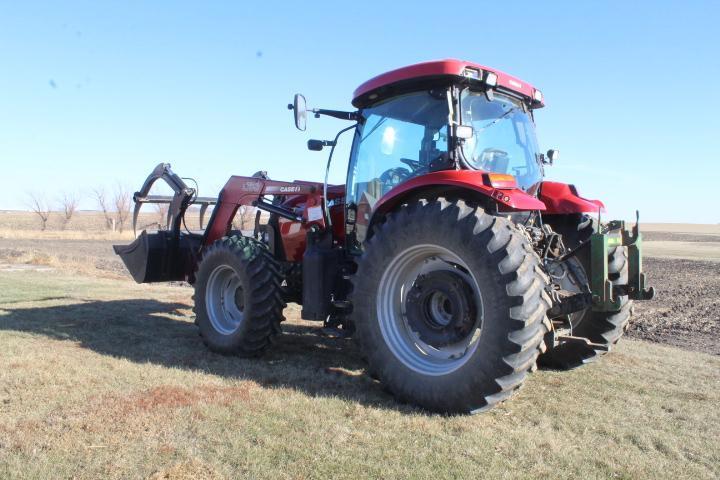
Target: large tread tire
x,y
603,328
514,300
260,278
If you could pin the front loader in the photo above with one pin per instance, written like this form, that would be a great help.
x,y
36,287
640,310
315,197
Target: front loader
x,y
446,254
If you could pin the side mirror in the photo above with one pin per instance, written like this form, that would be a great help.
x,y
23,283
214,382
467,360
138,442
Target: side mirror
x,y
315,145
552,155
299,108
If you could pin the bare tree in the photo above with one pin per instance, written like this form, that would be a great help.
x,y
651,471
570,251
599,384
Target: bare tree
x,y
39,205
122,205
68,203
102,203
162,211
244,218
115,209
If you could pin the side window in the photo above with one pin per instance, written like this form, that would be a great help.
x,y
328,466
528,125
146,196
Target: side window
x,y
398,140
382,146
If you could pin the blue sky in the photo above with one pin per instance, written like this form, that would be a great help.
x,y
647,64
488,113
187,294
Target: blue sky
x,y
95,93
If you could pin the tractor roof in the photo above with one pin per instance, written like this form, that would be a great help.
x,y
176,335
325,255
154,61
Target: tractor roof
x,y
375,87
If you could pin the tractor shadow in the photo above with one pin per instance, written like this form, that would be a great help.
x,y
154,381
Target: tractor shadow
x,y
163,333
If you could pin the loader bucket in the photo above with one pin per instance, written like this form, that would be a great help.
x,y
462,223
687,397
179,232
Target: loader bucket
x,y
159,257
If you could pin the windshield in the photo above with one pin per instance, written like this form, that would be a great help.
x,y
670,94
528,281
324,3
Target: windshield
x,y
503,138
396,140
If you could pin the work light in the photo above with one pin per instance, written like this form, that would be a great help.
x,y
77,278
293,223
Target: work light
x,y
491,79
472,73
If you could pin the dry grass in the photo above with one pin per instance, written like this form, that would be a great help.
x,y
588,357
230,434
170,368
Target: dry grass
x,y
697,228
108,379
83,225
82,221
26,258
10,233
690,250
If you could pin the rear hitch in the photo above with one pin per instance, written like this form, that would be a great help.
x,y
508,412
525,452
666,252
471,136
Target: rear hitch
x,y
605,295
582,341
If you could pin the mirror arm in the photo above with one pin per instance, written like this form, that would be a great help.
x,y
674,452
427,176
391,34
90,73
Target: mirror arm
x,y
354,116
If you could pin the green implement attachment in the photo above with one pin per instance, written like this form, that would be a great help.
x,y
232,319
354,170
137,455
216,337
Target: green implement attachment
x,y
606,295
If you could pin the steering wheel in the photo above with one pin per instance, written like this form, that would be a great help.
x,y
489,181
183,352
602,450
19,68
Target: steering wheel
x,y
489,158
395,176
413,164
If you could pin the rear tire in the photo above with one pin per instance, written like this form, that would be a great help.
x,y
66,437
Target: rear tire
x,y
238,297
604,328
475,351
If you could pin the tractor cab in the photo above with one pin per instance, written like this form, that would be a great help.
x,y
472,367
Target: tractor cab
x,y
446,115
440,122
411,135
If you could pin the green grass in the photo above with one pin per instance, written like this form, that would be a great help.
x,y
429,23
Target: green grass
x,y
104,378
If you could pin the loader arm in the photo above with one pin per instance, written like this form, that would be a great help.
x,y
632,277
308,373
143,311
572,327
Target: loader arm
x,y
172,254
250,191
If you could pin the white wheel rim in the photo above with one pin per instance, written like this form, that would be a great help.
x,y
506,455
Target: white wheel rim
x,y
221,299
397,280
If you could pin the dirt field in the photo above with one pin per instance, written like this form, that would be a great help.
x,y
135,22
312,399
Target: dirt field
x,y
105,378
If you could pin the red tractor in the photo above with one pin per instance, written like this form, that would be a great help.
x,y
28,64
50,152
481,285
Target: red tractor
x,y
446,255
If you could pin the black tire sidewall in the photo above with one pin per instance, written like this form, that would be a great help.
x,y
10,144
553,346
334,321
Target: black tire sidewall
x,y
469,383
261,318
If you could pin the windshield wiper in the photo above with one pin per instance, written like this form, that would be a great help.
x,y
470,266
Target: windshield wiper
x,y
377,125
497,119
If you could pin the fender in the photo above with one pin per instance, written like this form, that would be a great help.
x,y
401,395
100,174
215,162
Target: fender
x,y
509,198
562,198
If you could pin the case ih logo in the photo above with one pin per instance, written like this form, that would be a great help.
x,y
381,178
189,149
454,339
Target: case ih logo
x,y
289,189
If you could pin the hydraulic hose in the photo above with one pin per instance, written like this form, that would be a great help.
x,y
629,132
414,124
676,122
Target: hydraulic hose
x,y
327,173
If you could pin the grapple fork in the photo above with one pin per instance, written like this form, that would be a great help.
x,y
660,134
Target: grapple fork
x,y
178,203
168,254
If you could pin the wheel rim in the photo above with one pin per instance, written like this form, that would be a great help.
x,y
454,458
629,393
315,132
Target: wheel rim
x,y
224,299
437,330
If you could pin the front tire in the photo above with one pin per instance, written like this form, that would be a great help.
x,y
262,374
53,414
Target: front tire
x,y
238,298
449,306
